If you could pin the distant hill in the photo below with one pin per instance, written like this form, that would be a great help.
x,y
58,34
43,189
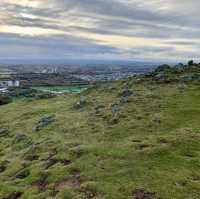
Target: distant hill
x,y
48,66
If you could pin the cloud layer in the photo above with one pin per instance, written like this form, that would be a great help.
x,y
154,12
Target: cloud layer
x,y
153,29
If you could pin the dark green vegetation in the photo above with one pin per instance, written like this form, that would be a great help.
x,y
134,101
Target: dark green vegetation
x,y
137,139
42,92
178,73
27,93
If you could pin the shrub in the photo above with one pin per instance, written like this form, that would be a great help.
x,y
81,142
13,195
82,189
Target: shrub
x,y
163,68
191,63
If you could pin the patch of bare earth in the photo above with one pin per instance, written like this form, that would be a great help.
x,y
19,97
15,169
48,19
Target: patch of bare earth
x,y
142,194
72,181
143,146
41,184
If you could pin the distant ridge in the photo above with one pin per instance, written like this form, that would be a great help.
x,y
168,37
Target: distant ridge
x,y
78,61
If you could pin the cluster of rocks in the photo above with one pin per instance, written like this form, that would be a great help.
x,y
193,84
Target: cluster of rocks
x,y
115,108
180,72
113,116
125,95
44,122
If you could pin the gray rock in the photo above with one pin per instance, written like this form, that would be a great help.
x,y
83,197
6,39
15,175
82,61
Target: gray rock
x,y
81,103
124,100
115,109
45,121
99,109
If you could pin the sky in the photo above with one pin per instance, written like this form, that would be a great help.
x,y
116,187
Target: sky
x,y
100,29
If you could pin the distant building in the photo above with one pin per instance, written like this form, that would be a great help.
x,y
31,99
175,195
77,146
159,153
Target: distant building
x,y
9,83
8,80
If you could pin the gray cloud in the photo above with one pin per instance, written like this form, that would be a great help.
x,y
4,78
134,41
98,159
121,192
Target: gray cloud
x,y
53,46
173,24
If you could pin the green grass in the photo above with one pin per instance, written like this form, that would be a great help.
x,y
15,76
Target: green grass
x,y
61,89
154,146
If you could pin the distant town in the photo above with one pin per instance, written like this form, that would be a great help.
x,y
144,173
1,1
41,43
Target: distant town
x,y
67,75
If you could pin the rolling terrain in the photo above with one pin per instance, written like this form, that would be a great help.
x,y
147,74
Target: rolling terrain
x,y
137,139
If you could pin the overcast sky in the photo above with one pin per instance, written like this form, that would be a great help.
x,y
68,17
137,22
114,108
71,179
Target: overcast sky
x,y
100,29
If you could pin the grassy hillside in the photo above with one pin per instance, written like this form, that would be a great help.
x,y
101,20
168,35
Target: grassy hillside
x,y
132,139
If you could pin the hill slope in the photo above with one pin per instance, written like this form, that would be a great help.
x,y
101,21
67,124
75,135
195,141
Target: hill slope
x,y
123,140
